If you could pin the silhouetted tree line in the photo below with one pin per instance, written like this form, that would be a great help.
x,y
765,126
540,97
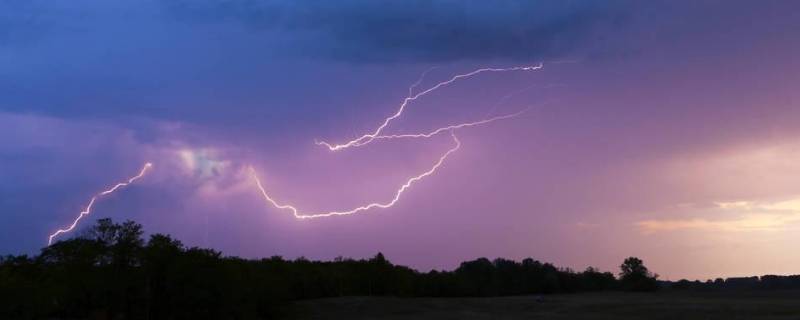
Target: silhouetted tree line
x,y
112,272
766,282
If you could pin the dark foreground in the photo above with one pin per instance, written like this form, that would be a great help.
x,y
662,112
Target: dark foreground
x,y
112,272
663,305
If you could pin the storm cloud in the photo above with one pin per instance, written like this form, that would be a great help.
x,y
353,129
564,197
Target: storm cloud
x,y
444,30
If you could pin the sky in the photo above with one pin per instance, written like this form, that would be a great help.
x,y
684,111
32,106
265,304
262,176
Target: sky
x,y
666,130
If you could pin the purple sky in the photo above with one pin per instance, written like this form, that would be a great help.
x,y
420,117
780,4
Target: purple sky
x,y
663,130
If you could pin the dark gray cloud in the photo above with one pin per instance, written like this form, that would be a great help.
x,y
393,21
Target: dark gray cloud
x,y
249,63
357,30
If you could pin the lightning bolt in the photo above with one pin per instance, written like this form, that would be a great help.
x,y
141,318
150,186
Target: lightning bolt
x,y
88,208
419,81
367,138
376,135
360,141
451,127
383,205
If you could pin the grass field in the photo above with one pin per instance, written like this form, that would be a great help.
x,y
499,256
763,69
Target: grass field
x,y
664,305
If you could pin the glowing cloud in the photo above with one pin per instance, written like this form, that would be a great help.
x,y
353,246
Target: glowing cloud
x,y
747,216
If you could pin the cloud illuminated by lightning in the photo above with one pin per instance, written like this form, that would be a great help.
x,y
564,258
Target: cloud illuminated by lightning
x,y
367,138
88,208
382,205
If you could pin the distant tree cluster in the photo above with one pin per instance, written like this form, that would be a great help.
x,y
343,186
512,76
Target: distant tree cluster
x,y
766,282
112,272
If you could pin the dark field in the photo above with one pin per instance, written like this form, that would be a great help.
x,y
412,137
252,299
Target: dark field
x,y
664,305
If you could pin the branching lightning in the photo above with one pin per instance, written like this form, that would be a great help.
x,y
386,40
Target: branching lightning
x,y
360,141
376,135
451,127
384,205
367,138
88,208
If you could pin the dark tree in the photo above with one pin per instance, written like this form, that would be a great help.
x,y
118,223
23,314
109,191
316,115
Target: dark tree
x,y
634,276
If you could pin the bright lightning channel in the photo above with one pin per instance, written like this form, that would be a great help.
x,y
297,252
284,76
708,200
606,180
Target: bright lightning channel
x,y
88,208
367,138
376,135
451,127
383,205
